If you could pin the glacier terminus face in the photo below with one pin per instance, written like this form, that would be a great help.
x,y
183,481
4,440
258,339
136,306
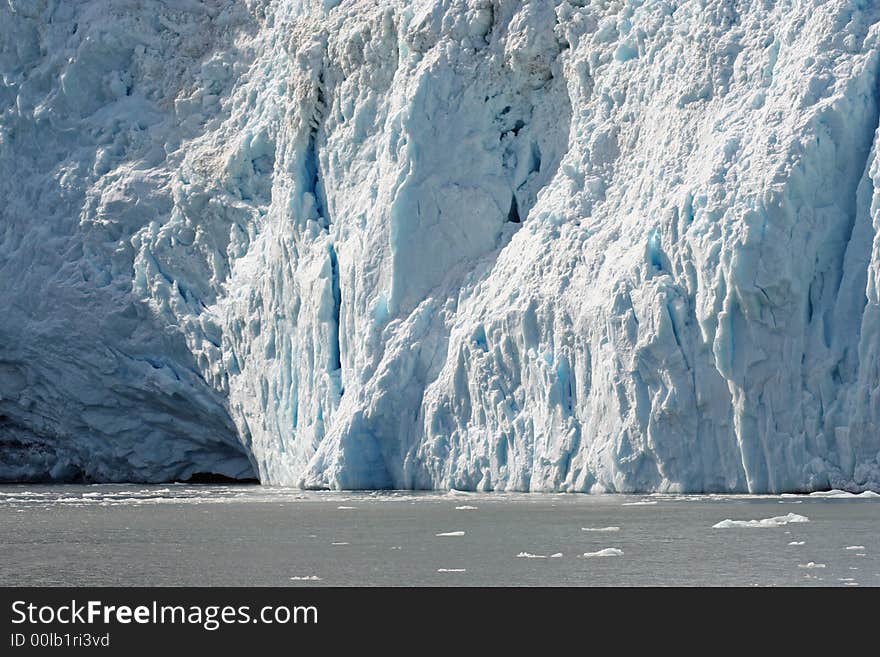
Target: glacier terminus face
x,y
562,245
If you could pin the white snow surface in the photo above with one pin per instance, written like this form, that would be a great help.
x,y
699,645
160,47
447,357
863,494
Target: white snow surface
x,y
567,245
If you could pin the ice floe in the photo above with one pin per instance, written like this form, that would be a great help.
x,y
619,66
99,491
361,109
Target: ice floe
x,y
845,495
605,552
600,529
776,521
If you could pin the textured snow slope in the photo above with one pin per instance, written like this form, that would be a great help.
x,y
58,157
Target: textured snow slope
x,y
571,245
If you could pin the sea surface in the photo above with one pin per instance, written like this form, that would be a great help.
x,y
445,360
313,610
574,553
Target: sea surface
x,y
189,535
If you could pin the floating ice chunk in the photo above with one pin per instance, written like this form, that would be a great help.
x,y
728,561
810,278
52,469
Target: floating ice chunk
x,y
340,543
811,564
854,547
641,503
465,508
796,543
606,552
458,533
777,521
850,583
600,529
842,494
346,508
452,570
306,578
395,547
556,555
846,579
529,555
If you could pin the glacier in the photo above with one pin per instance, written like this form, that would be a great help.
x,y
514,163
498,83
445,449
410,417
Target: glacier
x,y
571,245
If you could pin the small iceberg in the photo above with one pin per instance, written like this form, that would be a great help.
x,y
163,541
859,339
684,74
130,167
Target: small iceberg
x,y
458,533
306,578
600,529
777,521
811,564
607,552
529,555
845,495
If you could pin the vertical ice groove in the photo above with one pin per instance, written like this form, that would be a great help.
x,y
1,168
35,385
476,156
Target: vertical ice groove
x,y
543,245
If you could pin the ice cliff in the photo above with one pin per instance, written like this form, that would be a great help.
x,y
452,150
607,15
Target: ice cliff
x,y
569,245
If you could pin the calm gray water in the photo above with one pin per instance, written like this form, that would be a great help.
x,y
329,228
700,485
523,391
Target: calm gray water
x,y
251,535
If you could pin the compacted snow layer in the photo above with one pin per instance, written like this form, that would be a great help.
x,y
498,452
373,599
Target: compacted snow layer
x,y
562,245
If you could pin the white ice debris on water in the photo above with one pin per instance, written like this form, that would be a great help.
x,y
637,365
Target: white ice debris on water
x,y
797,543
811,564
854,547
452,570
529,555
456,533
640,503
846,495
306,578
600,529
606,552
777,521
465,508
556,555
515,246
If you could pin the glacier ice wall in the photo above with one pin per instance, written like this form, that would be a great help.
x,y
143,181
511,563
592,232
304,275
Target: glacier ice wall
x,y
484,244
